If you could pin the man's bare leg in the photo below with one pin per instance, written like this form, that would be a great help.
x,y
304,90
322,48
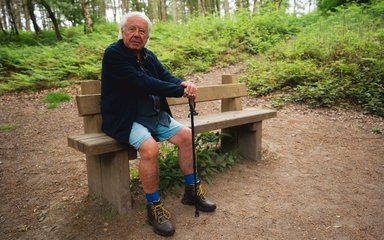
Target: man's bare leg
x,y
149,165
183,140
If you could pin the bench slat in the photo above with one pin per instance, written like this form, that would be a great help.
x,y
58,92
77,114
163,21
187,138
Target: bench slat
x,y
214,92
99,143
90,104
229,119
90,86
95,143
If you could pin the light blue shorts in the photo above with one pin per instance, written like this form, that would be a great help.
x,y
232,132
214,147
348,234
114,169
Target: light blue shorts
x,y
139,133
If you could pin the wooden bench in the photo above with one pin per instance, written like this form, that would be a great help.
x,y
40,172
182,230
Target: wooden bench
x,y
108,161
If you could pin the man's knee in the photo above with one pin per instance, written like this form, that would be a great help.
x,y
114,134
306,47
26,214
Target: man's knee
x,y
149,149
185,135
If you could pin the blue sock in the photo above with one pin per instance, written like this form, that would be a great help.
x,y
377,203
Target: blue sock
x,y
152,197
189,179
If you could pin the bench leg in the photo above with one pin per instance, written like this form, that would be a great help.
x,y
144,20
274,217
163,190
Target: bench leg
x,y
246,139
249,139
109,178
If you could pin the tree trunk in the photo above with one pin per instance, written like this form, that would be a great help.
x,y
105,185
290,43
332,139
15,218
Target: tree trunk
x,y
174,11
88,23
201,7
18,10
238,5
103,10
226,7
31,10
2,28
114,10
11,18
212,6
218,8
52,16
3,14
153,10
163,10
26,16
125,6
43,17
182,10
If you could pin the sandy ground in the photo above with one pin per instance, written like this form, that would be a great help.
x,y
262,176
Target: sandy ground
x,y
321,177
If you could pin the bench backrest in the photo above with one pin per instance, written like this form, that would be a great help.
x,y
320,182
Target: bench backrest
x,y
229,92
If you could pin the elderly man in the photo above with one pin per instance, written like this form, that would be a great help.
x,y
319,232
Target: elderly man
x,y
134,109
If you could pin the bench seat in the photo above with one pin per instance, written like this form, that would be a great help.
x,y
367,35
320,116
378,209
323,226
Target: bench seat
x,y
100,143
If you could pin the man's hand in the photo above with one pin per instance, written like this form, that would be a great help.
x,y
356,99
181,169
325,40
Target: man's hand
x,y
190,89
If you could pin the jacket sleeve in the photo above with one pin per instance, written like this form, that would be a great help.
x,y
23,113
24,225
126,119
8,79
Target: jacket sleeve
x,y
123,74
163,73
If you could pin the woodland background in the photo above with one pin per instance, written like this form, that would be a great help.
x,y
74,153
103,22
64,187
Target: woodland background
x,y
46,14
321,52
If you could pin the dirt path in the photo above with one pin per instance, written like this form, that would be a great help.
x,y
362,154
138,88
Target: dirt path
x,y
321,178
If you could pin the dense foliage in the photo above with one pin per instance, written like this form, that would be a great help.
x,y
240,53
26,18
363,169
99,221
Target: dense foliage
x,y
39,61
210,41
183,48
335,60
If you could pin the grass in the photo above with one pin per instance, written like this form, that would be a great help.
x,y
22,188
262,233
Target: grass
x,y
377,130
7,127
54,99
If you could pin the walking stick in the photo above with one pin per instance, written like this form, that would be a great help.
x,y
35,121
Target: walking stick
x,y
193,112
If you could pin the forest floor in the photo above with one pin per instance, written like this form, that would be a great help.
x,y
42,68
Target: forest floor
x,y
321,177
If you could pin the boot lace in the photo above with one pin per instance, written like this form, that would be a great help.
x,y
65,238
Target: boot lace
x,y
201,191
160,213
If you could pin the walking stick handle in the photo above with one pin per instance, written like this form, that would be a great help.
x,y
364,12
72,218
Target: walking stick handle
x,y
192,105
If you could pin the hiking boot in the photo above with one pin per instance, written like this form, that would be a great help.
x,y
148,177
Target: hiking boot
x,y
159,219
203,204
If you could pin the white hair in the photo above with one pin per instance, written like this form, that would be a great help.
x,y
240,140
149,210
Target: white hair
x,y
124,20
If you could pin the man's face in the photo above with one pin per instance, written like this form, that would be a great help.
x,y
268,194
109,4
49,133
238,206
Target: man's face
x,y
135,33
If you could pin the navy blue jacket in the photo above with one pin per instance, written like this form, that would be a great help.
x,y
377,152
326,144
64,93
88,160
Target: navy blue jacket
x,y
123,81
